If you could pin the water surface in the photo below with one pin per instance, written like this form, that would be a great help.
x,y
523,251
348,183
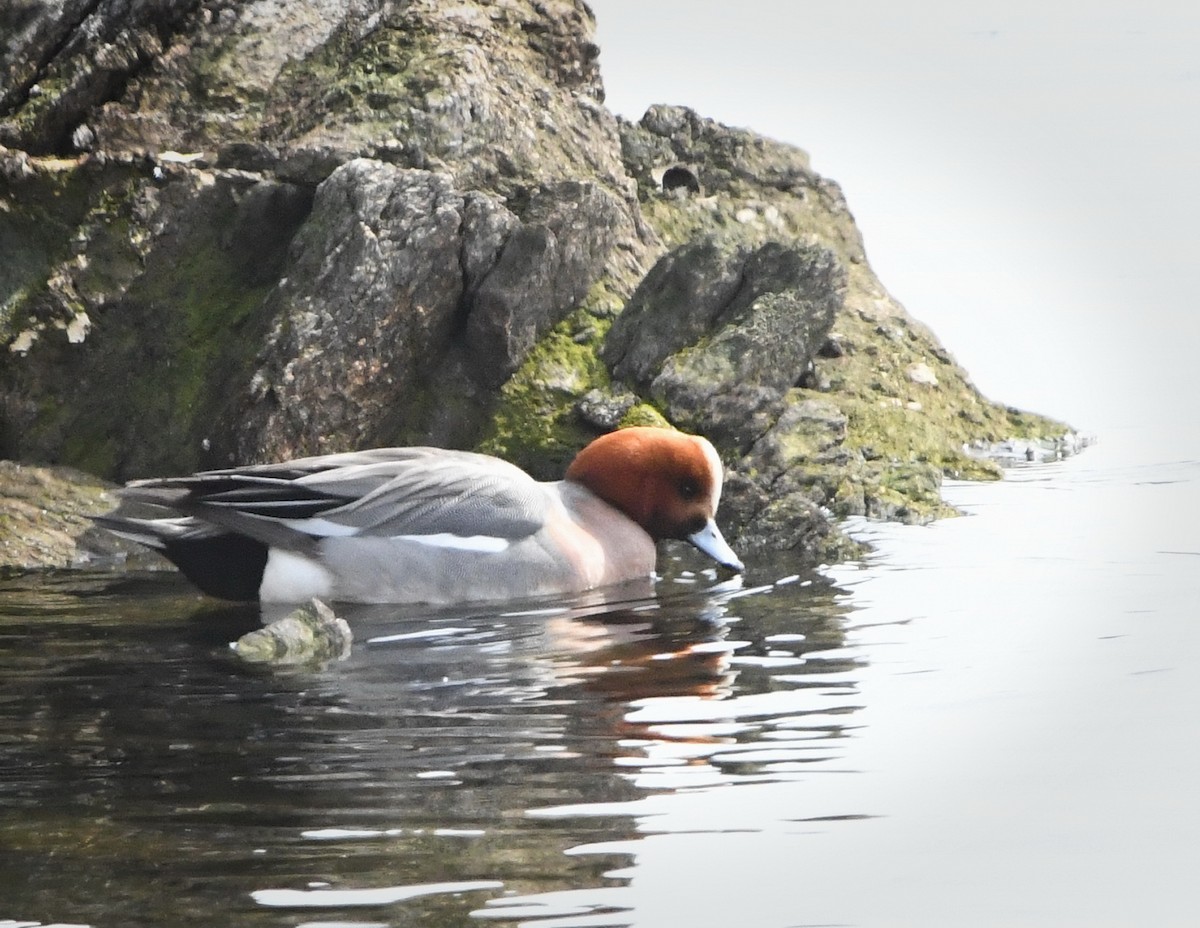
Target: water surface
x,y
991,721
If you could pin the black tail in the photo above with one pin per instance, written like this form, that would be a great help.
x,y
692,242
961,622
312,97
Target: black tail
x,y
221,564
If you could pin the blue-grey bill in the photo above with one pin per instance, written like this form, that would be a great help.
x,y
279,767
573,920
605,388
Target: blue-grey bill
x,y
710,540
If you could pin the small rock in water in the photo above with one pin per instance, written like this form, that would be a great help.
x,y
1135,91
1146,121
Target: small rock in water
x,y
310,634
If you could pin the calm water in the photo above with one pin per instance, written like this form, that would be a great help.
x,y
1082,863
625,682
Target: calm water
x,y
993,721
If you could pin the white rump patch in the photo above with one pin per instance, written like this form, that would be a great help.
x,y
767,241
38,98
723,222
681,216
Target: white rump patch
x,y
293,578
485,544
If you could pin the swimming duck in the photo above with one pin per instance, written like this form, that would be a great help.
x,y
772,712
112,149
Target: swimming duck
x,y
430,525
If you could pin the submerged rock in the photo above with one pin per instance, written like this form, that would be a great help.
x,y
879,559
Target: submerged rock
x,y
312,634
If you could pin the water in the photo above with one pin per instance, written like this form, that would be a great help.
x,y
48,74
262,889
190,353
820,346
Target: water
x,y
992,721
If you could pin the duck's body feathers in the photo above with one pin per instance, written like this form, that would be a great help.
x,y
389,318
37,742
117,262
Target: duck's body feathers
x,y
430,525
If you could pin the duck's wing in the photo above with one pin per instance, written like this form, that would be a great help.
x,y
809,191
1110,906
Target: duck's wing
x,y
382,493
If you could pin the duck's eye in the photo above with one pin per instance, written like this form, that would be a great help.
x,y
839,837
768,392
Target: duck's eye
x,y
688,488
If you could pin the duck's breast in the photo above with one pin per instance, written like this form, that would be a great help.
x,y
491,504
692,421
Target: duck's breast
x,y
601,543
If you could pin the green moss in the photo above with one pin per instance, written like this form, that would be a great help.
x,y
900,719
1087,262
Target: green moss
x,y
176,319
959,466
171,388
644,414
200,303
1023,424
213,301
890,415
40,112
535,424
379,76
915,486
603,301
367,83
39,216
676,220
91,453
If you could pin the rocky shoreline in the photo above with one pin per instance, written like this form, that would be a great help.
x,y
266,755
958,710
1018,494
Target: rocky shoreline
x,y
45,519
239,233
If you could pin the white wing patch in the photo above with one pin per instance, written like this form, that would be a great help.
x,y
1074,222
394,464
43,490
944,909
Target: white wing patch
x,y
323,528
485,544
326,528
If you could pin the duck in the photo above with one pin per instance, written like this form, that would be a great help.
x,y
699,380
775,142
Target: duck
x,y
432,525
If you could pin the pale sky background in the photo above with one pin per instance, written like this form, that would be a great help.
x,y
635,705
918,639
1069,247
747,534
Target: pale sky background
x,y
1026,174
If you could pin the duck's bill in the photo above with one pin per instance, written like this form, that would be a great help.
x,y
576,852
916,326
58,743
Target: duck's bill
x,y
711,542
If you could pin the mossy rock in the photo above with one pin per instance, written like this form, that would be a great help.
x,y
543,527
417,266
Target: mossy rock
x,y
909,414
535,424
176,311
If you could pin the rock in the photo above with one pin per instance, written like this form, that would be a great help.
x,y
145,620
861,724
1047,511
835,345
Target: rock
x,y
776,503
209,131
394,271
605,411
236,232
716,336
1037,450
770,184
894,435
45,520
176,304
921,373
299,88
677,303
312,634
76,56
543,271
370,299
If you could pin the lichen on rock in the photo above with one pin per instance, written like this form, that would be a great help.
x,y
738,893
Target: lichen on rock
x,y
717,334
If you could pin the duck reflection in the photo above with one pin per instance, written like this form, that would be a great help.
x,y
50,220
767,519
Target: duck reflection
x,y
677,649
623,644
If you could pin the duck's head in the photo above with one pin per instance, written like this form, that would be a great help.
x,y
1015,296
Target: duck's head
x,y
666,481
